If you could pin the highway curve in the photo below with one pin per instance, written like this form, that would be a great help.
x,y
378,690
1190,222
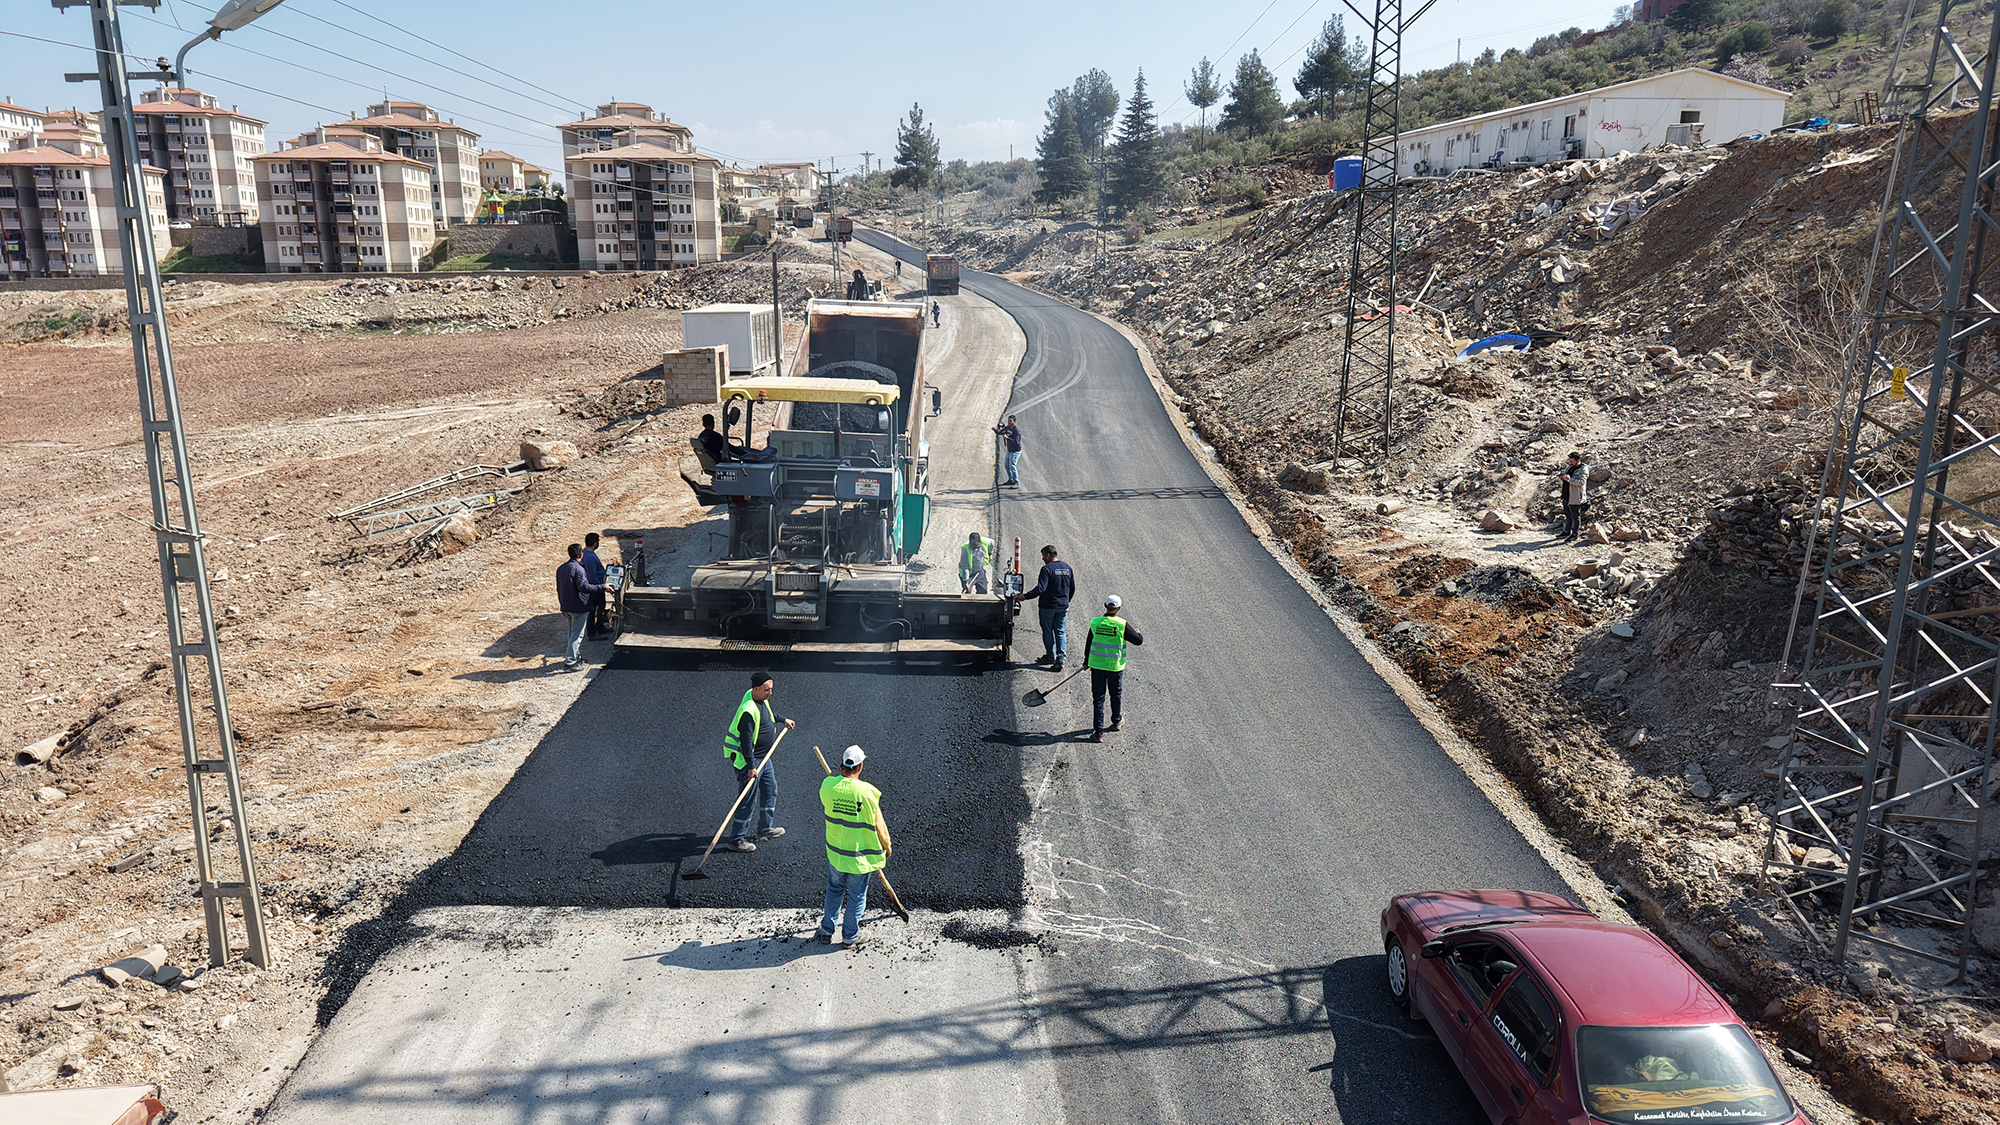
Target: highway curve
x,y
1213,872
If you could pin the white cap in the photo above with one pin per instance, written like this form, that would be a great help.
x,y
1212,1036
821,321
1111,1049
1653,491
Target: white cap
x,y
1113,601
852,756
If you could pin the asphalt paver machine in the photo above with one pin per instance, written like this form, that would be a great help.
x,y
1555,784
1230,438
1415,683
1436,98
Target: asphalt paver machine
x,y
827,513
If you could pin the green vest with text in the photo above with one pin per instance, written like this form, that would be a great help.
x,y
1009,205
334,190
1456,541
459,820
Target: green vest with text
x,y
851,806
733,747
1107,644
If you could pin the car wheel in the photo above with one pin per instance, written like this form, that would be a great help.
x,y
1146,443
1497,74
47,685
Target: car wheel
x,y
1399,975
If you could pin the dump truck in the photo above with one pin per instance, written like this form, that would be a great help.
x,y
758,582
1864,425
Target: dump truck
x,y
941,272
826,515
840,229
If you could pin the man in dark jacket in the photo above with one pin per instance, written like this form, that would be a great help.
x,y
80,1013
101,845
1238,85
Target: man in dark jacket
x,y
753,733
1055,586
593,569
1011,430
573,591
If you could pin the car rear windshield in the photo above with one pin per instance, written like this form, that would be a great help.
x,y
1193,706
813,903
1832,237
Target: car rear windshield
x,y
1647,1074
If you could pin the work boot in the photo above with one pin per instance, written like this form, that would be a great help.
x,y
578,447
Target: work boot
x,y
1045,658
738,846
1097,736
856,942
770,833
1115,724
826,938
1056,667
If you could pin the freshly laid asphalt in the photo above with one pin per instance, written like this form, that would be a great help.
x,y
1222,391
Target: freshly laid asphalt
x,y
1207,879
1214,871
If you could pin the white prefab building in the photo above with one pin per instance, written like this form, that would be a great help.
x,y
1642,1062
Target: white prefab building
x,y
1680,106
744,329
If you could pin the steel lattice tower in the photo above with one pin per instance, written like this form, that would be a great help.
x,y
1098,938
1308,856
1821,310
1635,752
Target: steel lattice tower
x,y
1886,782
1364,411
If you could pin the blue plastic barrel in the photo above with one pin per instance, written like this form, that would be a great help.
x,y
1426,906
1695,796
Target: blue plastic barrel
x,y
1346,173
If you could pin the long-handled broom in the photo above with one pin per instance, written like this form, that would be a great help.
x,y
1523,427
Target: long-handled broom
x,y
698,873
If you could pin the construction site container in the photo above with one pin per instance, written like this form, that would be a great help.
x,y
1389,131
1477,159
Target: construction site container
x,y
744,329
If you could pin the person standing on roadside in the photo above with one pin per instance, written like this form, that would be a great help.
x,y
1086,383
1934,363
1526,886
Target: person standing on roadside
x,y
593,568
1576,495
857,846
1011,430
1109,636
1055,586
936,312
753,730
972,560
573,594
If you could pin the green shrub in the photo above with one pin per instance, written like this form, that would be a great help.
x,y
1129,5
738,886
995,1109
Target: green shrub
x,y
1234,189
1832,19
1752,38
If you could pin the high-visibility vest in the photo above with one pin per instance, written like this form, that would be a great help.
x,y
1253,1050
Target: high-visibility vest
x,y
739,755
1107,644
851,806
971,560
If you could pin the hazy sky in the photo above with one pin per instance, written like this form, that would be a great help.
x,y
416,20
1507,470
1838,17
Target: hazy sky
x,y
756,82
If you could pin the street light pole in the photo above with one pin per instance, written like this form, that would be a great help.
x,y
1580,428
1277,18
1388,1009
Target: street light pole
x,y
190,629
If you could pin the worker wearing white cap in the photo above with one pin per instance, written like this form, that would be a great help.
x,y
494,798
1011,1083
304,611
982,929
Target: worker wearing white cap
x,y
1109,636
857,846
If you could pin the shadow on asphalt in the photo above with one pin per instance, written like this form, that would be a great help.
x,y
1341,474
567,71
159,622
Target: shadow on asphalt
x,y
1167,493
1380,1068
1002,737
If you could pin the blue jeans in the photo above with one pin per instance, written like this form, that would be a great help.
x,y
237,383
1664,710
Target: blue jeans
x,y
1055,631
1013,466
759,811
577,622
844,885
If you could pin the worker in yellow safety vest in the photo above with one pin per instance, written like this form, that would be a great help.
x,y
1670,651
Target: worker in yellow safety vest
x,y
857,846
753,731
973,555
1109,636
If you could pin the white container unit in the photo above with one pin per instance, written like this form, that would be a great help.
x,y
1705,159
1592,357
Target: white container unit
x,y
744,329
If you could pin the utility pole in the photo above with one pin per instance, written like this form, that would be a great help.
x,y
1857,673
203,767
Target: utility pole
x,y
190,629
777,317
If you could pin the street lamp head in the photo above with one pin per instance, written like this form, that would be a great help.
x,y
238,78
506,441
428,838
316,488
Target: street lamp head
x,y
241,13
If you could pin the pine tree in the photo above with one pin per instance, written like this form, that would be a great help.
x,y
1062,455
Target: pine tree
x,y
1137,172
916,152
1202,90
1096,102
1328,70
1060,155
1254,108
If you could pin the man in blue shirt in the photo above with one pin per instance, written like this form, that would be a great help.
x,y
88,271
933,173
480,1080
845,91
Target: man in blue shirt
x,y
573,591
593,569
1055,586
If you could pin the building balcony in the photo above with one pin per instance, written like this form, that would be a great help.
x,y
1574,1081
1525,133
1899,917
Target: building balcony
x,y
624,171
625,195
45,180
173,128
349,257
340,195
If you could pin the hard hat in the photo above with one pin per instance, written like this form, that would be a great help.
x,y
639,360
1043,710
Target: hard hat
x,y
1113,601
852,756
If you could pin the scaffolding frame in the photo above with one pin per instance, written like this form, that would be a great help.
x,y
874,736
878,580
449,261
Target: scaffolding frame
x,y
1364,407
1886,781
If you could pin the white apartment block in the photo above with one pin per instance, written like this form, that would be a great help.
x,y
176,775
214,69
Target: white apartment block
x,y
58,212
625,123
17,124
414,131
644,207
345,206
206,152
499,171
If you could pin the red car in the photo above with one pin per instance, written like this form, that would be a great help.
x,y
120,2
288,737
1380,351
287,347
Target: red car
x,y
1555,1018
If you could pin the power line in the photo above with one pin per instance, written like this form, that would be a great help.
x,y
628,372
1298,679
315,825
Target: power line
x,y
1182,96
453,69
467,58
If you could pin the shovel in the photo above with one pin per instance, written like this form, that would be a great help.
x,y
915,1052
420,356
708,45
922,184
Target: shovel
x,y
698,873
1036,696
894,900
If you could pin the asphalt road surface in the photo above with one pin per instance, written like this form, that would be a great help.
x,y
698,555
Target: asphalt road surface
x,y
1208,878
1214,871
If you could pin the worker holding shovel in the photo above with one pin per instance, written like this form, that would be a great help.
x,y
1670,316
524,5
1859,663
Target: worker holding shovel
x,y
753,731
857,845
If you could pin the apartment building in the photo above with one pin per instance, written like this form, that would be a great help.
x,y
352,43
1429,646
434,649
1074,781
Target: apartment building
x,y
205,150
345,206
624,123
643,207
535,176
17,124
414,131
802,178
59,211
499,171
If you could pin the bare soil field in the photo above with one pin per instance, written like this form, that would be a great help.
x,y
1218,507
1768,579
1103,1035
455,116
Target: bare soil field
x,y
381,695
1697,301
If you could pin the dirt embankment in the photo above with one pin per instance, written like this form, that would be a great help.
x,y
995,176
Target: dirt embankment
x,y
380,695
1697,302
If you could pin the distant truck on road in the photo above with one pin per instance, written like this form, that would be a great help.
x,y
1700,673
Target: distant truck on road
x,y
802,215
841,229
941,270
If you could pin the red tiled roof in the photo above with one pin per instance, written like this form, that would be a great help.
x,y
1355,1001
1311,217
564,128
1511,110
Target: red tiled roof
x,y
335,150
